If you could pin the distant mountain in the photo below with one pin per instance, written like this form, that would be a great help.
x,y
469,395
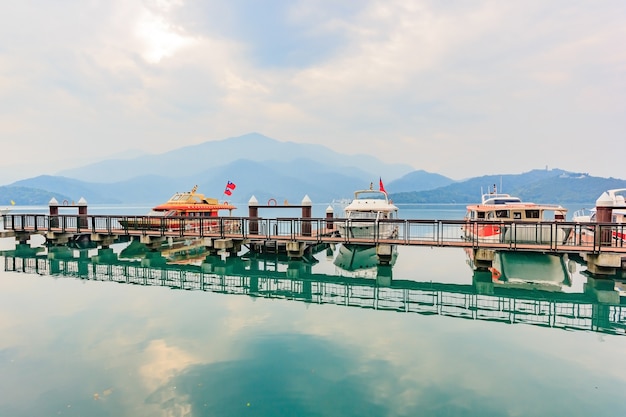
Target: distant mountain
x,y
290,181
27,196
418,181
540,186
191,160
285,171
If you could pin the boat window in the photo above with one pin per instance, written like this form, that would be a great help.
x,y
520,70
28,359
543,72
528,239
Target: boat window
x,y
517,215
479,215
502,214
532,214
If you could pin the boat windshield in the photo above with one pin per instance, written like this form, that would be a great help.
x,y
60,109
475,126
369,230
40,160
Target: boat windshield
x,y
503,200
362,215
370,195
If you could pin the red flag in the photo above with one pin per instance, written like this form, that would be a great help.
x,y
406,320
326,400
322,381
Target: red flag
x,y
228,192
381,186
231,185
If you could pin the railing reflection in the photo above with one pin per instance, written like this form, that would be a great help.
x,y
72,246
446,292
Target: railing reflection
x,y
293,280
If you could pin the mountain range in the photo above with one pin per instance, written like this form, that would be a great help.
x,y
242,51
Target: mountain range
x,y
286,171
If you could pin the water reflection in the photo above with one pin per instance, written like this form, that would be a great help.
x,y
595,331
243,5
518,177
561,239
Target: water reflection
x,y
517,288
261,334
527,270
364,261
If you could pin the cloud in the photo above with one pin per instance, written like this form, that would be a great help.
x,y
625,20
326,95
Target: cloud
x,y
418,82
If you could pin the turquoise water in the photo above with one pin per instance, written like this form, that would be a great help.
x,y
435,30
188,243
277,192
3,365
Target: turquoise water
x,y
270,337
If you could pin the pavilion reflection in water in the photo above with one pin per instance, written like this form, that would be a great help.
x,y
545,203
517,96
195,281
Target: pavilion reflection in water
x,y
600,307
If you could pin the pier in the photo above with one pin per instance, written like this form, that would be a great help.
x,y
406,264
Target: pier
x,y
602,245
604,255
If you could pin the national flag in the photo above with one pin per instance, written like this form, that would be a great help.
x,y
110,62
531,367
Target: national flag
x,y
230,186
381,186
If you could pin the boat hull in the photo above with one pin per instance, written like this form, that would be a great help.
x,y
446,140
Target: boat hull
x,y
586,235
517,233
177,224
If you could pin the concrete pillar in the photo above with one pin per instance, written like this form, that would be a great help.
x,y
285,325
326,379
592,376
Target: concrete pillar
x,y
253,213
82,213
307,210
384,253
384,275
604,214
483,282
53,205
329,217
295,250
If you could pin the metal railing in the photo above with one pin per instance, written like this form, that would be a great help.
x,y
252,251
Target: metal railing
x,y
551,235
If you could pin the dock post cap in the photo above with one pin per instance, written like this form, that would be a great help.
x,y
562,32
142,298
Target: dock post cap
x,y
329,209
253,201
82,201
53,202
306,201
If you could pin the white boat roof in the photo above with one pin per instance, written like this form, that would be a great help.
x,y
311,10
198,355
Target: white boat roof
x,y
494,198
612,198
498,200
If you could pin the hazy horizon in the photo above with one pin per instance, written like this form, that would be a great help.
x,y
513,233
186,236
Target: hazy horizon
x,y
459,89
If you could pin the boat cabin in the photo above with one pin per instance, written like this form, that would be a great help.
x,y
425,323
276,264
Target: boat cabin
x,y
517,214
503,207
190,204
371,204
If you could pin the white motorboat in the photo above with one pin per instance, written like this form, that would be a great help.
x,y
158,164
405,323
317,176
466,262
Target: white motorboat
x,y
370,215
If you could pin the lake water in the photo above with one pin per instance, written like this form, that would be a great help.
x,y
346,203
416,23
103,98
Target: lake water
x,y
264,336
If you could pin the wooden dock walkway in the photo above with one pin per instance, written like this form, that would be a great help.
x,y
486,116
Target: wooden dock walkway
x,y
412,232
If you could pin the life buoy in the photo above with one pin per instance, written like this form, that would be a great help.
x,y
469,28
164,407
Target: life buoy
x,y
495,274
272,202
66,203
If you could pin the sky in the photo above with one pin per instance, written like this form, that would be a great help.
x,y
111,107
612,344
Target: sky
x,y
458,88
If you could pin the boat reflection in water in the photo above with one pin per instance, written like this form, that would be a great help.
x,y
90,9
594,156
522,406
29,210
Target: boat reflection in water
x,y
530,270
518,288
186,251
362,261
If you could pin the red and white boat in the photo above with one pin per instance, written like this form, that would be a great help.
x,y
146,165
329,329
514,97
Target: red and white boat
x,y
500,218
188,210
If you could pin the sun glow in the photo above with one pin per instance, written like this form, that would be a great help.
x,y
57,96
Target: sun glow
x,y
161,39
